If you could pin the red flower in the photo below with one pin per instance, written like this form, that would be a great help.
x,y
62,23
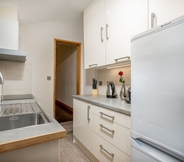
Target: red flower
x,y
120,73
121,77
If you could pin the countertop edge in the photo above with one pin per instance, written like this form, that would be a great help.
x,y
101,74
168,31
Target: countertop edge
x,y
103,105
14,145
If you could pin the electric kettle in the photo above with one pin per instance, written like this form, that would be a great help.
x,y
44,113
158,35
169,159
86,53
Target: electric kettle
x,y
111,90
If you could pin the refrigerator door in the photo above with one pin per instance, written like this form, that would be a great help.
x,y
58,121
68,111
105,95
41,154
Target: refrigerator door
x,y
157,82
142,152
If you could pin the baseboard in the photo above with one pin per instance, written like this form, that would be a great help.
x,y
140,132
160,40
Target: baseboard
x,y
64,105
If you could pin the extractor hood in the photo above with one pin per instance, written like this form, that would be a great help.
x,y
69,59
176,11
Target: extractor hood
x,y
12,55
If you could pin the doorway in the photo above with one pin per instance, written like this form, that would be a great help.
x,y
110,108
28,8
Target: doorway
x,y
67,72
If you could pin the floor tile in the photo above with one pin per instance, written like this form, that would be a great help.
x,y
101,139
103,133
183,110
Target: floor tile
x,y
70,152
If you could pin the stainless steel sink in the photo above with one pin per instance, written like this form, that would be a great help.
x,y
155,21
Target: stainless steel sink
x,y
21,114
18,121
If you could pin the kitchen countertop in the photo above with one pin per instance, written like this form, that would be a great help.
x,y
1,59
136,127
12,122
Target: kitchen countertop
x,y
115,104
31,135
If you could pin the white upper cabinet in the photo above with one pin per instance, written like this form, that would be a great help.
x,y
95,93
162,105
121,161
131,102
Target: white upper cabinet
x,y
108,28
164,11
124,19
94,34
110,24
9,28
9,33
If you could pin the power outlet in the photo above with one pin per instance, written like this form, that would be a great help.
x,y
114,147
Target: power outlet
x,y
100,83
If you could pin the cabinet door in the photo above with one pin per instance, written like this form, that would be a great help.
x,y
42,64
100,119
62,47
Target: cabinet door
x,y
94,33
165,10
9,33
124,19
82,126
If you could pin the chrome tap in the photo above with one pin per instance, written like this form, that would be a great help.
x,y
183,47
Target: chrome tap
x,y
1,79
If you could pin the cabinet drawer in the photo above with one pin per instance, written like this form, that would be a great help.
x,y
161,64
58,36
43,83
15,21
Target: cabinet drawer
x,y
106,152
112,116
113,133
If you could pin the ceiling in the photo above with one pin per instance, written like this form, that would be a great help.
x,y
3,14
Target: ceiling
x,y
30,11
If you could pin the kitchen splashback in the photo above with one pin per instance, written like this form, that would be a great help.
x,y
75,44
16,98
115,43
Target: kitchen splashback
x,y
17,77
112,75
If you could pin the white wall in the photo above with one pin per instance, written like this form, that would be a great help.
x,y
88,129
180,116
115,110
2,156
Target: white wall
x,y
8,12
37,40
66,74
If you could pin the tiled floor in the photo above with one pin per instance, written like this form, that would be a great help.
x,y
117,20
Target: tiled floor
x,y
68,126
70,152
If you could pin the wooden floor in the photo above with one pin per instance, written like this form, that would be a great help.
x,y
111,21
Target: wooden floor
x,y
62,114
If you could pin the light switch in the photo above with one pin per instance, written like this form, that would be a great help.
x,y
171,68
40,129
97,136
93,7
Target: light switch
x,y
48,77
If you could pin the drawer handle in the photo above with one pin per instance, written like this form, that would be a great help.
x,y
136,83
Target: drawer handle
x,y
111,154
110,130
107,36
122,59
153,17
92,65
107,115
88,118
101,34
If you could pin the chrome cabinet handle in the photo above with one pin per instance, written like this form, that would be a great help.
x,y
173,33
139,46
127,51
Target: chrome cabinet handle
x,y
110,130
111,154
88,118
153,17
122,59
107,37
102,34
107,115
93,65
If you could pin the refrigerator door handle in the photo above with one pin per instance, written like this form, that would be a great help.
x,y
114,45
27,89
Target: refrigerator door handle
x,y
139,145
153,152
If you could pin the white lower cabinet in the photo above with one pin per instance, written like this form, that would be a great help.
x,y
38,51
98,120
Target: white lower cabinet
x,y
82,123
105,133
114,133
106,152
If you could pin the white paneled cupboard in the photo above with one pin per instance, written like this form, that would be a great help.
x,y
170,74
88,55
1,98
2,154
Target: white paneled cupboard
x,y
105,133
124,18
94,29
110,24
108,28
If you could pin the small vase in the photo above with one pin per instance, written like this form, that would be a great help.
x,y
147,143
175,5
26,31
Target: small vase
x,y
122,93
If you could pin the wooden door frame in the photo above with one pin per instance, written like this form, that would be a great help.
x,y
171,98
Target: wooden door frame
x,y
78,68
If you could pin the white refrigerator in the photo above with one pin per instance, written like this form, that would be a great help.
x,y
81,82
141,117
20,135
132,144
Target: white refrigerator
x,y
157,89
